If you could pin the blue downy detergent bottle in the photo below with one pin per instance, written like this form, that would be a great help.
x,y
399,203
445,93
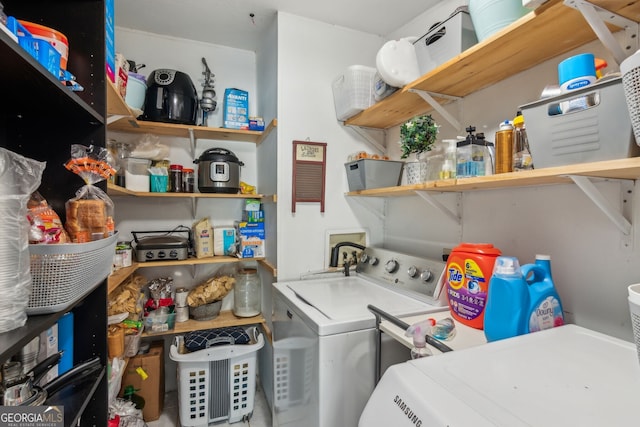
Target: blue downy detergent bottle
x,y
545,307
507,306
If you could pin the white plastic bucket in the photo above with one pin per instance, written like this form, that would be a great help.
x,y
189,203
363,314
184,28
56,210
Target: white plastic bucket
x,y
490,16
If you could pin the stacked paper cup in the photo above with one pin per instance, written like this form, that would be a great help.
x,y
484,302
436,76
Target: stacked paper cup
x,y
182,310
634,310
19,177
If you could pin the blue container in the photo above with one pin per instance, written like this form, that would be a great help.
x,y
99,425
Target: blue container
x,y
577,71
545,308
65,342
41,50
508,302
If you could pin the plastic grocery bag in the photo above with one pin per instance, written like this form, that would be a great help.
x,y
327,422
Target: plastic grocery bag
x,y
19,177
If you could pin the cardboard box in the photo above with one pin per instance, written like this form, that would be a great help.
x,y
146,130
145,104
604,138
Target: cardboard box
x,y
236,109
145,372
251,239
110,41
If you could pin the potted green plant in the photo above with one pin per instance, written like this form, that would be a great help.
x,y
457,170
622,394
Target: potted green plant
x,y
416,137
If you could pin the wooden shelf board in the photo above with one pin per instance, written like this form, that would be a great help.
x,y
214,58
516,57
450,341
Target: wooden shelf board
x,y
119,276
125,121
612,169
224,319
116,190
196,261
545,33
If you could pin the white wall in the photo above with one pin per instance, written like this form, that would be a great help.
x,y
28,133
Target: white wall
x,y
310,55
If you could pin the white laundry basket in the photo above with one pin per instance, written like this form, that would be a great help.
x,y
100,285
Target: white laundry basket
x,y
216,383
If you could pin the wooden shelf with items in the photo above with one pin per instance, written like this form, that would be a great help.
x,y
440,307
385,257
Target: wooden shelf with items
x,y
628,169
123,119
120,275
115,190
542,34
224,319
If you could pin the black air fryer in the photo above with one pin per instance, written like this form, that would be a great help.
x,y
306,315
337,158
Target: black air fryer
x,y
171,98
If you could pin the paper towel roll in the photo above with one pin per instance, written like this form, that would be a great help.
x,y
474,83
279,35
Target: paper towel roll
x,y
224,241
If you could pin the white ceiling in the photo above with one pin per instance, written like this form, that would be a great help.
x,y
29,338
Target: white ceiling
x,y
228,22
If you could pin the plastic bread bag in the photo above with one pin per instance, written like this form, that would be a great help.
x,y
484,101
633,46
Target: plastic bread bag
x,y
46,225
19,177
89,215
215,288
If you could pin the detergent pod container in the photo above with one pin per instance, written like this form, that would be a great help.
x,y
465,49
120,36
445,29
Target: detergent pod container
x,y
545,308
418,331
469,268
507,309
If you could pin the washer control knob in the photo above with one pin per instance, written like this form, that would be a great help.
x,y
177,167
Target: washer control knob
x,y
391,266
426,275
373,260
364,258
412,271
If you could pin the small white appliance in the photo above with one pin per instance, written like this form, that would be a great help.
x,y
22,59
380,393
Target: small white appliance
x,y
563,376
324,336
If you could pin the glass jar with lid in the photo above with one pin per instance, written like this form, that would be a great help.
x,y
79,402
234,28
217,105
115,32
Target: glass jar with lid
x,y
246,301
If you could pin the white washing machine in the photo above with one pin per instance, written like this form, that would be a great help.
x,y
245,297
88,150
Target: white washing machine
x,y
324,336
565,376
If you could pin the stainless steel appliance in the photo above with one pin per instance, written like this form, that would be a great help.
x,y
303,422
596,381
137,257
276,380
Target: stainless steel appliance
x,y
218,171
325,336
171,97
163,246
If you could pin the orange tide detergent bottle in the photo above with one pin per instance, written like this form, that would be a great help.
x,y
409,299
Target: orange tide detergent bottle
x,y
469,268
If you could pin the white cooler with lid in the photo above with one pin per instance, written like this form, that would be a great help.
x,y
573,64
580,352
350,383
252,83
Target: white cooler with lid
x,y
566,376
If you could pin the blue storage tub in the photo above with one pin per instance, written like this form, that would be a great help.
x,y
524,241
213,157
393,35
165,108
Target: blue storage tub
x,y
41,50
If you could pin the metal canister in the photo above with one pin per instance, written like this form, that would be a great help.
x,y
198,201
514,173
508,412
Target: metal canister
x,y
504,148
181,297
123,257
182,314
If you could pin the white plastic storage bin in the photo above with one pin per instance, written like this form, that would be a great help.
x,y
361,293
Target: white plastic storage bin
x,y
445,40
216,383
353,91
584,125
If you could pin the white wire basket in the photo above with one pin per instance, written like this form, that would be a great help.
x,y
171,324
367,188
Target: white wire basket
x,y
64,273
634,311
630,70
216,383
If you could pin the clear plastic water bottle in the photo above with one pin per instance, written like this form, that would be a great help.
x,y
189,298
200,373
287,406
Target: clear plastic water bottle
x,y
522,159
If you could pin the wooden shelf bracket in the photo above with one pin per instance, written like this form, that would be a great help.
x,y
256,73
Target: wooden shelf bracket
x,y
616,216
429,99
428,197
597,18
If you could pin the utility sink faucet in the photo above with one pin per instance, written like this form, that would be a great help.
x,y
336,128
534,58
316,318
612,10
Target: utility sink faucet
x,y
335,253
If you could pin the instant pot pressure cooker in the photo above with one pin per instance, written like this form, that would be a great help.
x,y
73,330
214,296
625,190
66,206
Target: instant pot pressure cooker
x,y
171,98
218,171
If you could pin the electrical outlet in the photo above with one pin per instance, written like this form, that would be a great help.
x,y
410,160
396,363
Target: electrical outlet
x,y
359,237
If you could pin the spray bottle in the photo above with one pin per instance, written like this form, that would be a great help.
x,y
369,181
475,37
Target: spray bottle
x,y
418,332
